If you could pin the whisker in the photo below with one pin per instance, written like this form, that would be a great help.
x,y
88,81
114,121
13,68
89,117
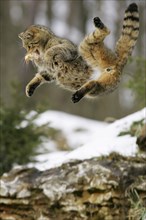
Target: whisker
x,y
20,44
24,64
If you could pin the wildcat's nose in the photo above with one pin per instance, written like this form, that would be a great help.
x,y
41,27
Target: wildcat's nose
x,y
20,35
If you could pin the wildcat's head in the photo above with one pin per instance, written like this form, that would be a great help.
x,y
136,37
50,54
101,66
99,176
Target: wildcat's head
x,y
34,39
35,36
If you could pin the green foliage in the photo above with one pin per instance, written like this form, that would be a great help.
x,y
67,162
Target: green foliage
x,y
19,135
138,209
18,142
138,82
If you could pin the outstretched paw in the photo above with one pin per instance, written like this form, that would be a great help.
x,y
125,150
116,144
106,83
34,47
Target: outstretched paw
x,y
77,96
29,91
98,23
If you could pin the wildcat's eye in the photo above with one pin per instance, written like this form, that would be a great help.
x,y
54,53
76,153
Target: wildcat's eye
x,y
29,35
108,69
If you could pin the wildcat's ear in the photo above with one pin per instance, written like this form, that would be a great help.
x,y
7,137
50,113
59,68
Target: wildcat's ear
x,y
21,35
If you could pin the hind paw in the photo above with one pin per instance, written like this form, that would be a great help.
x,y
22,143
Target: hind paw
x,y
77,96
98,23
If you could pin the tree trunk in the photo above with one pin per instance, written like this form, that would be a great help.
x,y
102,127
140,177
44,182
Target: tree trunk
x,y
105,188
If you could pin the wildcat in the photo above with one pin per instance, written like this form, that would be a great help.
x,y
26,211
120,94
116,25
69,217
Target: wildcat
x,y
72,67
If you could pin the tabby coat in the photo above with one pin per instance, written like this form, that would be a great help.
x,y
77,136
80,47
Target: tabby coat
x,y
74,68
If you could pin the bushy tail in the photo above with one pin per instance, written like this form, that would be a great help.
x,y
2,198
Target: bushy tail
x,y
130,32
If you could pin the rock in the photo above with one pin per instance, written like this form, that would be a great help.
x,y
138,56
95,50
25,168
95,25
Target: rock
x,y
141,140
95,189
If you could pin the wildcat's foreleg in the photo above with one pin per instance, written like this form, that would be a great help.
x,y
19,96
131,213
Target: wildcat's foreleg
x,y
39,79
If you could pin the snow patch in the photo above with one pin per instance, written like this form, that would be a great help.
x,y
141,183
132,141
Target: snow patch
x,y
100,138
76,129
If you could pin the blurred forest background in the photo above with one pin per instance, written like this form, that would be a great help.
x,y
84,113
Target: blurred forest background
x,y
71,19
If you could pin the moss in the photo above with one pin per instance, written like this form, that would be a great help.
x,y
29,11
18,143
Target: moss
x,y
134,129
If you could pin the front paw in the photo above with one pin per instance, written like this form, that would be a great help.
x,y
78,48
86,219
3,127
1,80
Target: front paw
x,y
29,90
77,96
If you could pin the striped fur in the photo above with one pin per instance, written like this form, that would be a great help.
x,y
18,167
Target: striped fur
x,y
58,59
130,32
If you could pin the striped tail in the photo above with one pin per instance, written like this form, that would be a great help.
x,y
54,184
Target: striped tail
x,y
130,32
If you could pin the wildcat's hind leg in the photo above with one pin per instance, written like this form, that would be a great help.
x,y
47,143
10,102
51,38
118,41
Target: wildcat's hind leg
x,y
97,36
87,88
92,47
93,50
98,23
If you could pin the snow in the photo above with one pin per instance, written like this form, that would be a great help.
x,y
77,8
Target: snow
x,y
76,129
96,138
